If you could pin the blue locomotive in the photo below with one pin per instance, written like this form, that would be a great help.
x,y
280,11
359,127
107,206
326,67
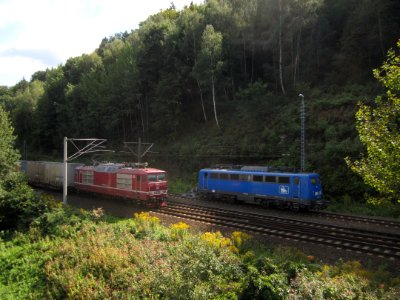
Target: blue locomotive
x,y
262,185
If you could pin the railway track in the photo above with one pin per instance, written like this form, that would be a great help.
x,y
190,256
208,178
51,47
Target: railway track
x,y
336,216
357,219
362,241
359,240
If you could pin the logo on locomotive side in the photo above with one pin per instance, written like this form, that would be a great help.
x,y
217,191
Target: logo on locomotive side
x,y
284,189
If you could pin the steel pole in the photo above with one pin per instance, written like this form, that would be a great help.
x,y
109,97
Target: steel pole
x,y
65,179
139,151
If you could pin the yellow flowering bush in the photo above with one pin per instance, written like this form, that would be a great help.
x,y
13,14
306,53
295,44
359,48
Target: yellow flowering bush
x,y
179,230
235,243
239,239
146,222
216,239
346,268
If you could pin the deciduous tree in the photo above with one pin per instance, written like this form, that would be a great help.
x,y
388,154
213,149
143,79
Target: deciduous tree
x,y
210,62
379,131
18,205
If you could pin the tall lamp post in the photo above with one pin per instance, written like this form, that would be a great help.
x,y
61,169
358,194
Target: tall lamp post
x,y
303,134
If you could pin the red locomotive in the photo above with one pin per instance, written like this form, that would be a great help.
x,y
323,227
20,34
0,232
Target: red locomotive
x,y
147,185
130,181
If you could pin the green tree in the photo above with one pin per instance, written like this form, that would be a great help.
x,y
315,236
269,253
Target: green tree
x,y
51,119
22,115
209,63
18,203
191,25
8,156
379,131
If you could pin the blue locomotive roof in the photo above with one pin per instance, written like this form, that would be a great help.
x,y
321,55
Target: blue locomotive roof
x,y
275,173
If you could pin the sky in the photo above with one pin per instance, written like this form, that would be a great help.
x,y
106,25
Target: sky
x,y
40,34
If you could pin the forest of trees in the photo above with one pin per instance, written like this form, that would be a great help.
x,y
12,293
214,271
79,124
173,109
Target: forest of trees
x,y
226,73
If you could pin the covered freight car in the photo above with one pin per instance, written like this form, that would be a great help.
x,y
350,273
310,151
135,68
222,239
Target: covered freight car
x,y
47,173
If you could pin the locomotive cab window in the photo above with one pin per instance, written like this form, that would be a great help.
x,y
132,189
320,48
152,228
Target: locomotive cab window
x,y
245,177
152,177
313,181
214,175
283,179
234,176
271,179
224,176
161,177
258,178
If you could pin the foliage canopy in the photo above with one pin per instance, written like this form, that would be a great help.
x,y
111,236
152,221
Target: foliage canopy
x,y
379,130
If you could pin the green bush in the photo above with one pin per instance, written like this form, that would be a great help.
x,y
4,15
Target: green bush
x,y
258,286
179,186
22,263
19,205
368,209
109,262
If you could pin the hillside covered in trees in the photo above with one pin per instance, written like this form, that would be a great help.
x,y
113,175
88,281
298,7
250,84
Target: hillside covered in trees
x,y
220,82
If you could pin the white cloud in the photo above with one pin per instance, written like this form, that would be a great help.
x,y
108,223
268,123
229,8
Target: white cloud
x,y
63,29
14,69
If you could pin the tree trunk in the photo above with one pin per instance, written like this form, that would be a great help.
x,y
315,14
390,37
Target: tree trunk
x,y
141,116
380,32
252,62
202,101
297,59
280,49
244,59
213,97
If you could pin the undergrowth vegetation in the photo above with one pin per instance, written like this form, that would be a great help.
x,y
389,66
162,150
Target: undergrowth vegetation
x,y
368,209
76,254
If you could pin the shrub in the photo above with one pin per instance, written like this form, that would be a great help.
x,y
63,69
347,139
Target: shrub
x,y
19,205
21,267
239,241
179,186
216,239
108,262
179,230
258,286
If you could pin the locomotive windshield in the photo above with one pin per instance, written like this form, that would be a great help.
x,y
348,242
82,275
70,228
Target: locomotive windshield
x,y
156,177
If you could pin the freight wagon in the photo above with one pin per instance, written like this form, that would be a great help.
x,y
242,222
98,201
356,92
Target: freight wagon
x,y
48,174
